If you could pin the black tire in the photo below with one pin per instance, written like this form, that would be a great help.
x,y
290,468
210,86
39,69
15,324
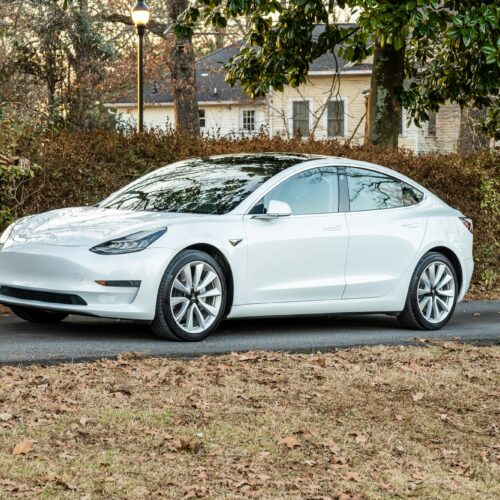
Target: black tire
x,y
411,316
164,325
34,315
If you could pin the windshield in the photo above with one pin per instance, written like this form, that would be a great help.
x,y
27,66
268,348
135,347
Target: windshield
x,y
205,185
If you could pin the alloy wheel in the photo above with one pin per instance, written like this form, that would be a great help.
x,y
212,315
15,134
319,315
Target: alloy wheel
x,y
436,292
196,297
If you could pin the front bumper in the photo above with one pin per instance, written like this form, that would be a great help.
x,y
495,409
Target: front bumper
x,y
74,270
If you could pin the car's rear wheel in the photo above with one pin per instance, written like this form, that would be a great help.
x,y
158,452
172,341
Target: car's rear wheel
x,y
191,298
34,315
432,295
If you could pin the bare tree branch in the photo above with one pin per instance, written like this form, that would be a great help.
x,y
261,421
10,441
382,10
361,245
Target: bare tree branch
x,y
156,27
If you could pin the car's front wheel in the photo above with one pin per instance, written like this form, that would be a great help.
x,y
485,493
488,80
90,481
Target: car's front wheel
x,y
34,315
191,298
432,295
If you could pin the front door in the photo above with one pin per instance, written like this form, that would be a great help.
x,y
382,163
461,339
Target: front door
x,y
300,257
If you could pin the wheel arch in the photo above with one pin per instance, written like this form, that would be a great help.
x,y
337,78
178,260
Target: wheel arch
x,y
221,259
452,256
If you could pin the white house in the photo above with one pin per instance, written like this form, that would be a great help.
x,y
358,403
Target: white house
x,y
332,104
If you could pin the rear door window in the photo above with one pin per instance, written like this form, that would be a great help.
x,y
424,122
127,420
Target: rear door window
x,y
370,190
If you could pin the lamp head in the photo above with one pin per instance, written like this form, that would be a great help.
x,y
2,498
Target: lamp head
x,y
140,13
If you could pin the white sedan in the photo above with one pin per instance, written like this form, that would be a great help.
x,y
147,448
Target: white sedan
x,y
244,236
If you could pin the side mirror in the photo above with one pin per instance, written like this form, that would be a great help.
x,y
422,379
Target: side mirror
x,y
275,209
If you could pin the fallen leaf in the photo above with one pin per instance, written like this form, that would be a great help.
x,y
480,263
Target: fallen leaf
x,y
67,486
48,479
359,437
290,442
338,462
320,362
344,496
418,396
331,445
352,476
186,444
4,417
23,447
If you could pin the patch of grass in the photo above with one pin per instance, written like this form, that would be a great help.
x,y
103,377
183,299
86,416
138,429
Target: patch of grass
x,y
131,417
365,423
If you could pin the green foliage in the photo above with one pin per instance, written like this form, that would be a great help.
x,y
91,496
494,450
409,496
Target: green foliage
x,y
452,47
13,169
82,168
490,207
455,55
55,63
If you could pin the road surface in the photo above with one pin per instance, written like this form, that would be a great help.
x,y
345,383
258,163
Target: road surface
x,y
84,339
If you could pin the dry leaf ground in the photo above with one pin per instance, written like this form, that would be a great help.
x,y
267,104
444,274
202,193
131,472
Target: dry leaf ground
x,y
364,423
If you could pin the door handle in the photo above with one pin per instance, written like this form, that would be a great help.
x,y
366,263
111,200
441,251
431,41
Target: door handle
x,y
333,228
410,226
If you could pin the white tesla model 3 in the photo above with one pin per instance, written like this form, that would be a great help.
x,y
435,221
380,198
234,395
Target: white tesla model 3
x,y
243,236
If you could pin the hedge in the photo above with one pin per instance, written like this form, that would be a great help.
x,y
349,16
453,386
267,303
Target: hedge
x,y
82,168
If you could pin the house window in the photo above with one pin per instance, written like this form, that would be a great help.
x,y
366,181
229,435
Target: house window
x,y
201,114
300,117
249,120
335,116
431,124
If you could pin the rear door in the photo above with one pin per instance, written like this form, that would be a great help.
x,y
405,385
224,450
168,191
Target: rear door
x,y
386,230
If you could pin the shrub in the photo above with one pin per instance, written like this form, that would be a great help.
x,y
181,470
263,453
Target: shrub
x,y
82,168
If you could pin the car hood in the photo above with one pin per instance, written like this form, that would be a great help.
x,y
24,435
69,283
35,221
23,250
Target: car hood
x,y
88,226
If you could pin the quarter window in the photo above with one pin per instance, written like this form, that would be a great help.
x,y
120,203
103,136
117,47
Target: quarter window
x,y
314,191
249,120
335,115
370,190
411,195
300,120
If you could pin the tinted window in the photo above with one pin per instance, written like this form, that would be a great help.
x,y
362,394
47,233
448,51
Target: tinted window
x,y
411,196
313,191
369,190
207,185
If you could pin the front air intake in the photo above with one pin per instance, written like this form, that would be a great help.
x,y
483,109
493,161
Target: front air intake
x,y
49,297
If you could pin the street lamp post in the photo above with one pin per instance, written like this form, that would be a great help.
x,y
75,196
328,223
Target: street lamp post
x,y
140,17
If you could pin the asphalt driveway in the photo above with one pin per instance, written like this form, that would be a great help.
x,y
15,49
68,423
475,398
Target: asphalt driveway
x,y
79,338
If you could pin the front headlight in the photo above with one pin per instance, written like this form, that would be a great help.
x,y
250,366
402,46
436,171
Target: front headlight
x,y
129,244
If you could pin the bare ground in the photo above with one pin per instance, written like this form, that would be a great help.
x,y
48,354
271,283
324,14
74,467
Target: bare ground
x,y
364,423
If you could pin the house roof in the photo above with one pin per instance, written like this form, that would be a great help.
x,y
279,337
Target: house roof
x,y
210,76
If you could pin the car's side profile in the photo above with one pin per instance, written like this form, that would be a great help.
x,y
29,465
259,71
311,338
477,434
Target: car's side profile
x,y
243,236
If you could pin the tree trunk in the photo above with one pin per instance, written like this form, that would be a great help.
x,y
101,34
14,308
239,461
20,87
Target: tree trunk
x,y
182,64
470,137
384,109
